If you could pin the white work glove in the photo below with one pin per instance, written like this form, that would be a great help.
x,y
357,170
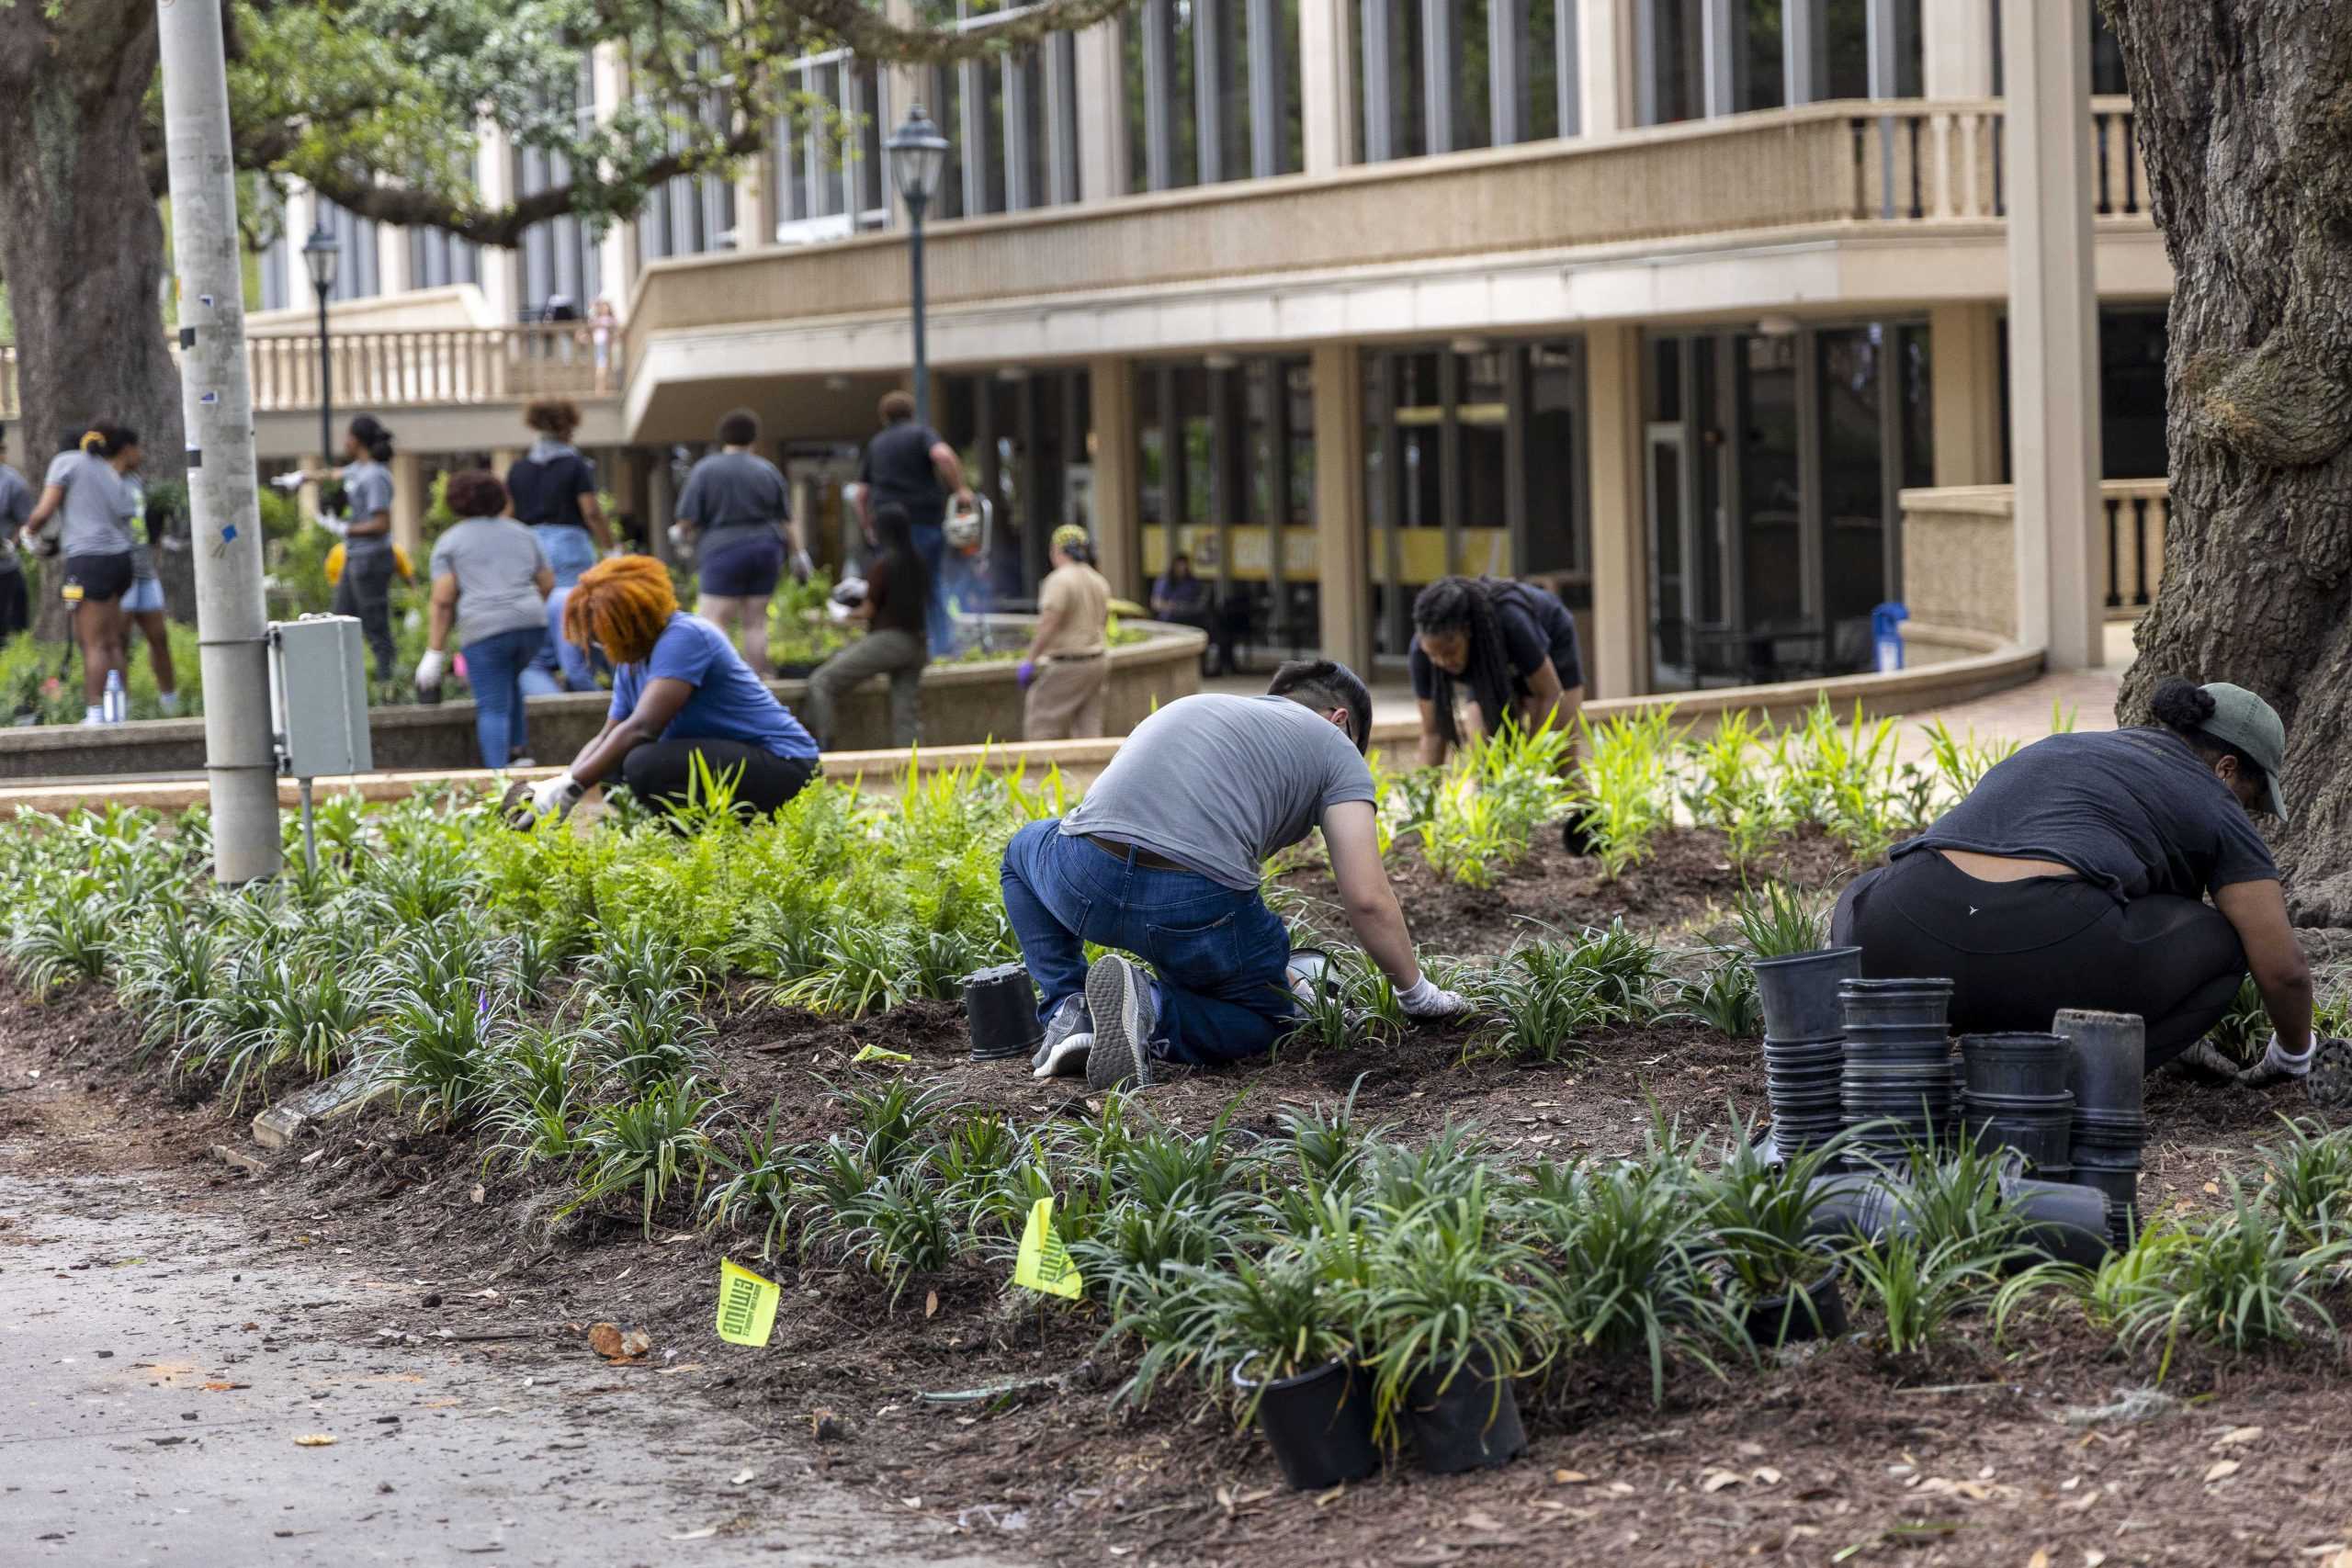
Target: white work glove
x,y
681,540
429,669
2278,1064
803,568
558,794
1425,999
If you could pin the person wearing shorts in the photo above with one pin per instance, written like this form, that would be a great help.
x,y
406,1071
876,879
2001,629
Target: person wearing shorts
x,y
87,493
736,509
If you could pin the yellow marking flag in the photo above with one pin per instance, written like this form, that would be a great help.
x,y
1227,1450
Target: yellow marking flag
x,y
876,1054
746,1304
1044,1264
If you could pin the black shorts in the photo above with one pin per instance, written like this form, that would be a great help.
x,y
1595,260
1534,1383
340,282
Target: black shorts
x,y
101,579
742,564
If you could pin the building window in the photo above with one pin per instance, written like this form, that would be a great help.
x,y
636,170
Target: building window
x,y
560,259
1211,90
2132,392
693,213
1433,76
359,274
826,165
1697,58
436,261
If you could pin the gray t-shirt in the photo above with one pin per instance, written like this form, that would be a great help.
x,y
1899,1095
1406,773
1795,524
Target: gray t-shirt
x,y
16,505
496,561
2133,810
1217,783
734,491
368,488
94,519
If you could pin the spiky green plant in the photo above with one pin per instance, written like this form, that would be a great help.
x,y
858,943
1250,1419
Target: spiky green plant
x,y
646,1146
1778,920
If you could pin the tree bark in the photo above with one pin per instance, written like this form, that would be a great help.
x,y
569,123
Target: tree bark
x,y
82,244
2244,117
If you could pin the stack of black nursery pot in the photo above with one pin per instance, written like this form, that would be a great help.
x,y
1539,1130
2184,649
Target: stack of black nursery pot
x,y
2015,1097
1804,1056
2106,1056
1897,1087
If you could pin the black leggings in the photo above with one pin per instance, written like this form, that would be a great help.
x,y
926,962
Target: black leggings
x,y
662,772
2018,951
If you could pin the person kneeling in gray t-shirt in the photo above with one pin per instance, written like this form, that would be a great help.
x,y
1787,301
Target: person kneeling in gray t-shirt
x,y
1162,860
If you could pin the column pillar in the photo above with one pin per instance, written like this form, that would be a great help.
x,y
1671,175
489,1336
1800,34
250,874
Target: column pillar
x,y
1965,359
624,480
2053,332
500,286
1605,73
1617,639
410,493
1327,84
755,214
1956,49
616,251
393,274
661,499
1102,113
1342,531
1118,525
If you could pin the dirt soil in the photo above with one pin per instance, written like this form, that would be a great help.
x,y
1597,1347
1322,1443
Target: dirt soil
x,y
1984,1454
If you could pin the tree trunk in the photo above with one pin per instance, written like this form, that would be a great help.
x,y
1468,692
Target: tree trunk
x,y
2245,121
82,244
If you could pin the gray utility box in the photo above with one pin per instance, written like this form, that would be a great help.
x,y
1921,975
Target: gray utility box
x,y
318,697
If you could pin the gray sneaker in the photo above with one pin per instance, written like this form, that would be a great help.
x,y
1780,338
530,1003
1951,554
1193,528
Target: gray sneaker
x,y
1118,995
2205,1062
1069,1034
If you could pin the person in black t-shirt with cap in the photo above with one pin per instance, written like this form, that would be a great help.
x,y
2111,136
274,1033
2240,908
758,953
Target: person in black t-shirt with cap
x,y
911,464
2076,875
1509,647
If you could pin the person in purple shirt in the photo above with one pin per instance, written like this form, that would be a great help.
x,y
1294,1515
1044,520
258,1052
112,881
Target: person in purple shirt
x,y
683,701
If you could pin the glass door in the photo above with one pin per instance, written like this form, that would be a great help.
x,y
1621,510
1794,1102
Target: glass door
x,y
1674,582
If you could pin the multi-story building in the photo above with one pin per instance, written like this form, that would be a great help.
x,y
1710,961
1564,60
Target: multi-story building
x,y
1733,319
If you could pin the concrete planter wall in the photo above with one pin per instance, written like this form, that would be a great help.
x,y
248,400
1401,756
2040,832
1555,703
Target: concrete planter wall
x,y
962,704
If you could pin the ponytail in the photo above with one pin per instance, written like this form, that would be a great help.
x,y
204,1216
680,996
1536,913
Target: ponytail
x,y
103,440
369,431
2185,708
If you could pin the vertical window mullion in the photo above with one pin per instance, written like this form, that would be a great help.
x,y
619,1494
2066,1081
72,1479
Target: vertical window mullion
x,y
1506,72
1568,65
975,116
1158,93
1061,118
1208,90
1018,197
1269,87
1441,63
1379,117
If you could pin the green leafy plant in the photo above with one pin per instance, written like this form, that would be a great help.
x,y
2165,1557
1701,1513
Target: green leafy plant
x,y
1443,1293
2307,1181
647,1145
2242,1281
1723,997
1627,777
1778,920
1921,1287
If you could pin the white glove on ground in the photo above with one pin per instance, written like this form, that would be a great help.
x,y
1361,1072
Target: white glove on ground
x,y
429,668
1425,999
558,794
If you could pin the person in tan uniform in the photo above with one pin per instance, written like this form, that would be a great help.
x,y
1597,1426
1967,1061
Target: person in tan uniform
x,y
1069,659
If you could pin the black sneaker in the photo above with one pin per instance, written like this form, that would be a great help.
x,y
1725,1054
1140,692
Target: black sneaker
x,y
1118,995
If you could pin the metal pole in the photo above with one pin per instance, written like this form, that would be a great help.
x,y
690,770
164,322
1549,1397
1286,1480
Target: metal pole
x,y
216,395
326,386
922,360
310,831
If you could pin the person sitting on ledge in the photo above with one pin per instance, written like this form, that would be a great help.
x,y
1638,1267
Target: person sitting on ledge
x,y
681,695
2076,874
1162,860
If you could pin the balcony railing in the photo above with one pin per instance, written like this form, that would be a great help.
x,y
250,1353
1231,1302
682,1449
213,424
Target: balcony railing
x,y
1960,563
432,367
1910,163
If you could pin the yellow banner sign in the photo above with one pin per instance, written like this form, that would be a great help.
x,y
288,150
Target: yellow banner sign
x,y
746,1304
1044,1264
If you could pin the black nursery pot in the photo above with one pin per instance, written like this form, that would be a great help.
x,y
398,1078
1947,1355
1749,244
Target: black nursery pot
x,y
1318,1424
1471,1423
1800,993
2044,1140
1001,1005
2122,1187
2107,1058
2063,1220
2024,1064
1881,1002
1817,1311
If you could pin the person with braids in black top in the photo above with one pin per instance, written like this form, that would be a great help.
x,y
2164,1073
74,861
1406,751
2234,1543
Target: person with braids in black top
x,y
1510,648
2076,875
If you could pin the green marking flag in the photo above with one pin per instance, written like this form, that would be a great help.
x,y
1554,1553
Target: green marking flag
x,y
746,1304
877,1053
1044,1264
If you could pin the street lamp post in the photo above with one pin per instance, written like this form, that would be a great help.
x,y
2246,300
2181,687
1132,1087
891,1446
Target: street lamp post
x,y
918,152
320,253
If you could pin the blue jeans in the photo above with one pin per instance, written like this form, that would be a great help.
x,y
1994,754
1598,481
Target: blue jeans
x,y
494,668
562,665
1218,954
931,543
570,550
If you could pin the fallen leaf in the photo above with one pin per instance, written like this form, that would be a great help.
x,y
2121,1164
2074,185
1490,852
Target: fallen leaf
x,y
2211,1189
314,1440
2237,1435
635,1342
605,1340
702,1534
1768,1475
742,1475
1475,1521
931,1304
2040,1558
477,1193
2221,1469
1719,1479
1325,1499
2092,1558
1570,1477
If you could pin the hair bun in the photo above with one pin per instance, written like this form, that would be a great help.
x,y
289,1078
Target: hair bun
x,y
2181,705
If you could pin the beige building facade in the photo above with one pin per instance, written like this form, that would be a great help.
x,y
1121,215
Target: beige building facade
x,y
1730,320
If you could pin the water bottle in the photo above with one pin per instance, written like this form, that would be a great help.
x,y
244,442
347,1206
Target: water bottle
x,y
117,703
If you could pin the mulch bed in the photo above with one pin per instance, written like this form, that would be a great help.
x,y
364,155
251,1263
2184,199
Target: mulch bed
x,y
1983,1453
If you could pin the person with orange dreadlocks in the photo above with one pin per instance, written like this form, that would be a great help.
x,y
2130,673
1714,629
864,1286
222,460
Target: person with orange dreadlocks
x,y
681,696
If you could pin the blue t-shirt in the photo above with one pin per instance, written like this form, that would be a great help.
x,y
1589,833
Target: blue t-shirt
x,y
727,703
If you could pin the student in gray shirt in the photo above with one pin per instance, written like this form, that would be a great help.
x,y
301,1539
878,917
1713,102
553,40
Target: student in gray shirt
x,y
1162,860
490,579
86,491
737,512
365,589
16,508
